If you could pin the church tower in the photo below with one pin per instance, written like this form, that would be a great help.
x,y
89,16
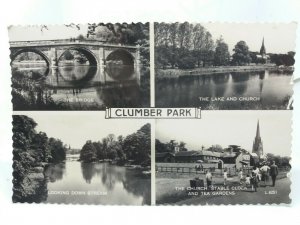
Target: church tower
x,y
257,143
263,49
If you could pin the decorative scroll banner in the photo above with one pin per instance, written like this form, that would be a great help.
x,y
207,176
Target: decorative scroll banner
x,y
153,113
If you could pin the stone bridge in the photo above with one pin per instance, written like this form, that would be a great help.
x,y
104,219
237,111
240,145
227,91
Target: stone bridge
x,y
98,53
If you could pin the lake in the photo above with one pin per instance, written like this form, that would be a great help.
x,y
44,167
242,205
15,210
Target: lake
x,y
252,90
79,87
96,183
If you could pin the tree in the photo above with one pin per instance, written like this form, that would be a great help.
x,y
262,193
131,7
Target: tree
x,y
283,59
216,148
68,55
253,56
241,54
171,145
88,152
160,147
80,37
183,45
40,142
30,151
182,147
23,132
100,150
137,146
58,150
222,56
186,62
123,33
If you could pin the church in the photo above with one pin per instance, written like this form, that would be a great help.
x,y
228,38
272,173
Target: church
x,y
262,56
257,143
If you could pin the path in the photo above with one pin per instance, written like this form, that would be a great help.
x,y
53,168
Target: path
x,y
248,197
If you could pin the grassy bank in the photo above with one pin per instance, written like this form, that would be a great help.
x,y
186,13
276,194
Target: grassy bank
x,y
175,73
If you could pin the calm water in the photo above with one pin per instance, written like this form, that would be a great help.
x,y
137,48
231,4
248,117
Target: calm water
x,y
269,90
96,183
76,88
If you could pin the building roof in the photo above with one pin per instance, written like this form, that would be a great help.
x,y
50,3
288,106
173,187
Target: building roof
x,y
198,153
163,154
229,155
186,153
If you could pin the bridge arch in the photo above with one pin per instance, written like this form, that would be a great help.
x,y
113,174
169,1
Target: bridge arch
x,y
14,55
92,58
120,64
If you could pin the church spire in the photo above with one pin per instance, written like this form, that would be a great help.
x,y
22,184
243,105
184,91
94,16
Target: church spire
x,y
257,143
263,48
257,130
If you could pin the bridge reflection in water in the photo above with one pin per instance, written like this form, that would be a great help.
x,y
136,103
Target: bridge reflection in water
x,y
99,75
79,87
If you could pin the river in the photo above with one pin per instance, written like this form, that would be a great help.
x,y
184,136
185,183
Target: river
x,y
267,89
96,183
76,87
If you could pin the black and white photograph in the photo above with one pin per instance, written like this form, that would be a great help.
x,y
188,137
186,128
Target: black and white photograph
x,y
230,157
79,159
80,66
224,66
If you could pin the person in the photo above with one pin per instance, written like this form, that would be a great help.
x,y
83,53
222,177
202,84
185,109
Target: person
x,y
256,171
265,172
208,177
241,176
253,181
225,176
199,167
273,173
247,181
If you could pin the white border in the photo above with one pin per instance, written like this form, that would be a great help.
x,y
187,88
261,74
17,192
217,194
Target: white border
x,y
57,12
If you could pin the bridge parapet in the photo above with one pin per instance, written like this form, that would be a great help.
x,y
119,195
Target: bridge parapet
x,y
66,42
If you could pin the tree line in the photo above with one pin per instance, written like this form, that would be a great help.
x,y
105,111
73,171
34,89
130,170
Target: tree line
x,y
169,146
35,147
122,33
31,150
135,147
187,46
160,147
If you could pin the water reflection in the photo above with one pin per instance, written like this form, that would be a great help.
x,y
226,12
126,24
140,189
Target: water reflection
x,y
121,185
270,89
240,83
55,172
79,87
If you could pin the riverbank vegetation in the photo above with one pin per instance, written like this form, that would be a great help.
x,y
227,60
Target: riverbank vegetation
x,y
134,148
32,150
124,34
189,46
30,93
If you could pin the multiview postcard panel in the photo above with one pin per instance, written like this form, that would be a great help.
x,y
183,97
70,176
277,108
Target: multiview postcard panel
x,y
224,66
227,157
80,66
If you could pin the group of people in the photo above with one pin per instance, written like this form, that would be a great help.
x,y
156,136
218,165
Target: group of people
x,y
253,179
259,174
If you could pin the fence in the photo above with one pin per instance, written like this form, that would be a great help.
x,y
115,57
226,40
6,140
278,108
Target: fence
x,y
191,170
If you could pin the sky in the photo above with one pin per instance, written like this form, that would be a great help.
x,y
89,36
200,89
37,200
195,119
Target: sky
x,y
31,33
75,129
231,127
279,37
